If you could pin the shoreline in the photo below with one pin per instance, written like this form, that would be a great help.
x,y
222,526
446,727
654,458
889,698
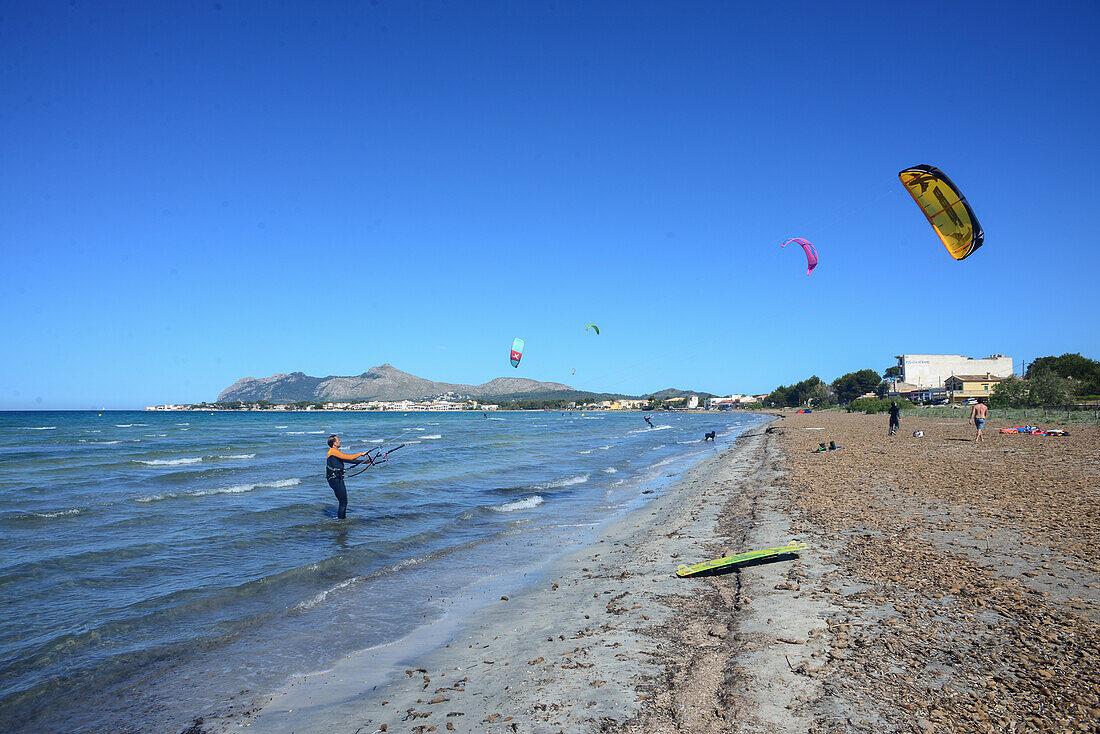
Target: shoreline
x,y
948,586
522,650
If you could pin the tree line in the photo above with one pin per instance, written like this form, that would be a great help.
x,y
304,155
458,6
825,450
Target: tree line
x,y
1047,381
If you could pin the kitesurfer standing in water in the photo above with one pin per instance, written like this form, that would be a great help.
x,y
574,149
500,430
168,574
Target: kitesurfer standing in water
x,y
647,420
334,471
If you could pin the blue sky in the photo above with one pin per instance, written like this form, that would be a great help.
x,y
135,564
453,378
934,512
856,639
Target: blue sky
x,y
197,192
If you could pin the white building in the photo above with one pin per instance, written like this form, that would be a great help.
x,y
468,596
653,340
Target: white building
x,y
733,401
931,370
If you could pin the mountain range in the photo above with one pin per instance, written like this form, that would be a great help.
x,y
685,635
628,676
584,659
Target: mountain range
x,y
386,382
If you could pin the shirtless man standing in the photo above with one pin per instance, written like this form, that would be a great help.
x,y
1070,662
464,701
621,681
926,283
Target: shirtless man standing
x,y
977,414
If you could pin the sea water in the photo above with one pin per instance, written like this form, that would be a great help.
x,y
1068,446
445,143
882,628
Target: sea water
x,y
156,566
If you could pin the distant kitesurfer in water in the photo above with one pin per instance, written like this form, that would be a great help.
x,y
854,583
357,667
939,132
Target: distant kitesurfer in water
x,y
334,471
647,420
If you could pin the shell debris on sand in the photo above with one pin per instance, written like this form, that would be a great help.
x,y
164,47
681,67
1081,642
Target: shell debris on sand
x,y
940,542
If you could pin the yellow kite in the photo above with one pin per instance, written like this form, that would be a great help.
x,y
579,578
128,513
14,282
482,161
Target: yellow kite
x,y
946,209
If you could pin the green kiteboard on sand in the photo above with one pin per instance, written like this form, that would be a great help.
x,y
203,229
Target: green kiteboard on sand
x,y
741,558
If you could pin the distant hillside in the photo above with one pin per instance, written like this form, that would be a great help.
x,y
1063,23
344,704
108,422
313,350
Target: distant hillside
x,y
385,382
674,393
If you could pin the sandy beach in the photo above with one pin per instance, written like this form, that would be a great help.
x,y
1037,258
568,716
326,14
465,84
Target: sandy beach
x,y
948,586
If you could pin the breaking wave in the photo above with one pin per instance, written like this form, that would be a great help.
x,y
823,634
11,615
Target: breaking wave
x,y
567,482
524,504
318,598
169,462
235,489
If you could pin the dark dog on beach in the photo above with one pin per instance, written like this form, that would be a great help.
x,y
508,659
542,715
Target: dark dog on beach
x,y
708,436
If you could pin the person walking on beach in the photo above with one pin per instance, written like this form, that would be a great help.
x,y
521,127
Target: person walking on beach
x,y
334,471
895,420
978,414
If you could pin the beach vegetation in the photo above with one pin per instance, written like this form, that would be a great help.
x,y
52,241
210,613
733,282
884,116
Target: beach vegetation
x,y
1082,372
876,405
1044,388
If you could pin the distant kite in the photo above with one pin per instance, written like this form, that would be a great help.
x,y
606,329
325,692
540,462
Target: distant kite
x,y
811,253
517,351
593,326
945,208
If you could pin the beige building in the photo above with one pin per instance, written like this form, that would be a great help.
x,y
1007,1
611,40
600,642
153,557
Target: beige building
x,y
964,387
932,370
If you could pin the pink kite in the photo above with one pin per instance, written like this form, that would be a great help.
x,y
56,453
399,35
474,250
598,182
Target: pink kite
x,y
811,253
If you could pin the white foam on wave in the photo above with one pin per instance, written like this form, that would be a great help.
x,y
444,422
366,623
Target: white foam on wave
x,y
282,426
496,419
567,482
376,440
59,513
318,598
238,456
124,425
524,504
662,462
156,435
238,488
658,427
38,428
234,489
282,483
295,433
100,443
169,462
698,440
314,432
431,437
183,424
610,470
586,451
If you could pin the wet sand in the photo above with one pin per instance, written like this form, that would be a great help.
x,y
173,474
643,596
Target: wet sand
x,y
948,586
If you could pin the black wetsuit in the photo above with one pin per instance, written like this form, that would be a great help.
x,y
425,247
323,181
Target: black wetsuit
x,y
895,422
334,471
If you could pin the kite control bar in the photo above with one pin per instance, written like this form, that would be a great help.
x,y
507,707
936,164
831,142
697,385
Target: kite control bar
x,y
370,461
